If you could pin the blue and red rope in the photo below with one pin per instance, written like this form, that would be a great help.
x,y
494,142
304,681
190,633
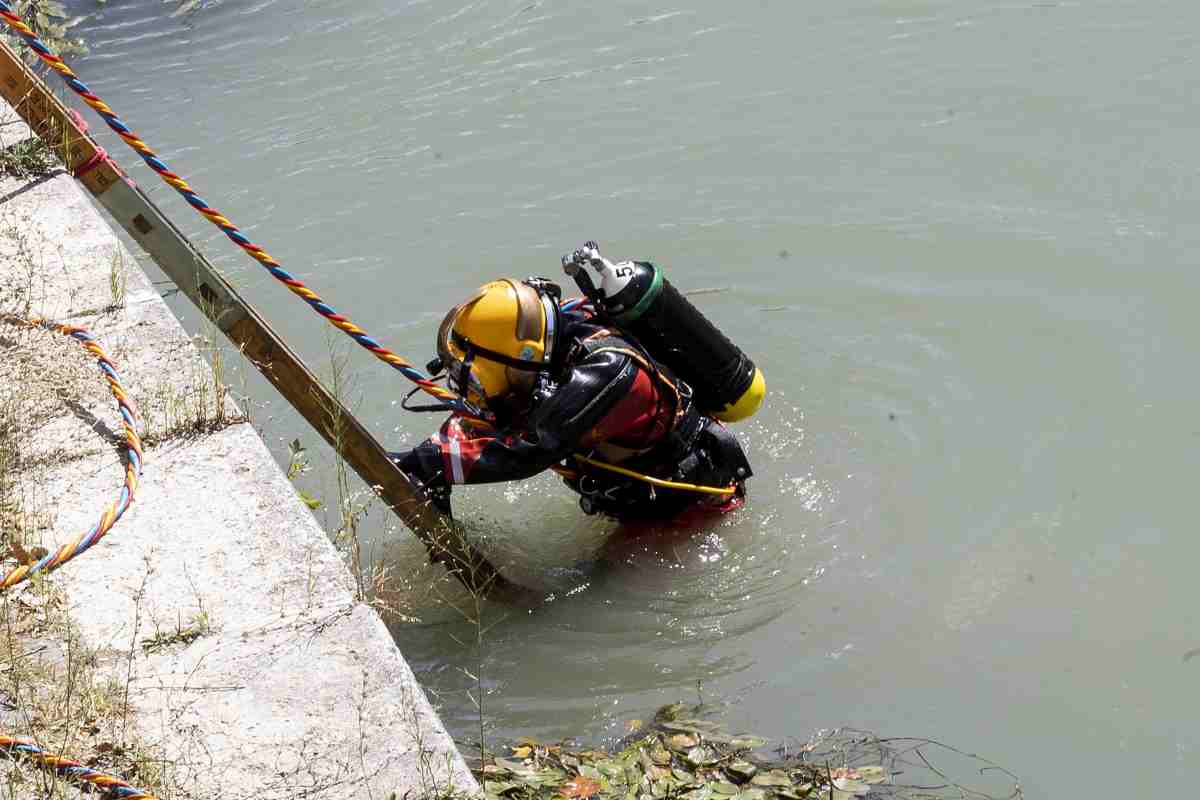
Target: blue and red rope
x,y
114,786
20,747
133,458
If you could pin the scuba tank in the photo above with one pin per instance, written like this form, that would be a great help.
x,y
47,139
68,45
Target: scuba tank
x,y
637,297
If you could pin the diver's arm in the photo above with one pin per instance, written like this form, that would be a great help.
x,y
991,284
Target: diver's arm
x,y
462,454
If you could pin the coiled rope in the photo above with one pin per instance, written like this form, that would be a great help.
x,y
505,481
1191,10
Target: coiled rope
x,y
19,747
133,458
14,21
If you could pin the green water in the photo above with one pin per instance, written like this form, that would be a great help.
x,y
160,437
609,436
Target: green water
x,y
957,236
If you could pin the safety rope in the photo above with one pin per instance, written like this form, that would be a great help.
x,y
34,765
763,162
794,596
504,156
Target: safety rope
x,y
14,21
13,746
116,787
133,458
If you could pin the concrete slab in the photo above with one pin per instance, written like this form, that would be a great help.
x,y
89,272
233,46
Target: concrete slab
x,y
60,252
291,675
13,129
168,382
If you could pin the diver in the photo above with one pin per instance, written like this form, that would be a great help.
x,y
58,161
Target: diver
x,y
592,390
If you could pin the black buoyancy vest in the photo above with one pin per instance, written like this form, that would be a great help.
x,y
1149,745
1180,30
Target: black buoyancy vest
x,y
674,423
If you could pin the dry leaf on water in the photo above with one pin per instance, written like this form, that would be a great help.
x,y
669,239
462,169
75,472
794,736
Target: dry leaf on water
x,y
580,787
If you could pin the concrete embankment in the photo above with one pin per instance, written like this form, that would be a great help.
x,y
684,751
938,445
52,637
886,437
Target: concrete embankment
x,y
217,602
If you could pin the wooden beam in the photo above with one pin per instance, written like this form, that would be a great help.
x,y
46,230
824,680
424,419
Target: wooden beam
x,y
216,298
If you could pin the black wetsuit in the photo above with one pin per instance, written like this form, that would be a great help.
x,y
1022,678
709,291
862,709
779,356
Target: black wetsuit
x,y
609,401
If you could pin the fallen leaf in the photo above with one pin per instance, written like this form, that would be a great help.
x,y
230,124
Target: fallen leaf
x,y
872,774
752,794
23,556
657,773
589,771
581,786
499,787
693,724
660,755
524,751
775,777
851,785
683,776
669,712
700,756
849,781
748,742
682,742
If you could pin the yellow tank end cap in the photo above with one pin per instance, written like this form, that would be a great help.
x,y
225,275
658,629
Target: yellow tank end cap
x,y
748,403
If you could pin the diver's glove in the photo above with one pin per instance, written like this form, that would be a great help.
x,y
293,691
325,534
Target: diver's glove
x,y
427,473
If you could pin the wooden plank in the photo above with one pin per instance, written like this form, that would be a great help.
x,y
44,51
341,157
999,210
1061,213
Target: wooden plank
x,y
217,299
51,122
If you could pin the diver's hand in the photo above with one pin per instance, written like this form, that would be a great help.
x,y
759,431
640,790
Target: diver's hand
x,y
431,481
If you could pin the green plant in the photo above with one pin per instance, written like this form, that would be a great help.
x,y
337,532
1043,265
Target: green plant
x,y
353,504
184,633
30,158
51,21
298,464
118,279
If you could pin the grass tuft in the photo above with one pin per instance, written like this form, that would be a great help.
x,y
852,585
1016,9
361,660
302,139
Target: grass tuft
x,y
31,158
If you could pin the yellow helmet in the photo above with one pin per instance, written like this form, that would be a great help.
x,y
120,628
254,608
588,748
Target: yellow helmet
x,y
495,343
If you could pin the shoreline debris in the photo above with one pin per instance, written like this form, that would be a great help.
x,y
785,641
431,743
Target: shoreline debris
x,y
680,755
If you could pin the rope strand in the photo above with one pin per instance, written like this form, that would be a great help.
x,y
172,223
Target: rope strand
x,y
133,457
16,747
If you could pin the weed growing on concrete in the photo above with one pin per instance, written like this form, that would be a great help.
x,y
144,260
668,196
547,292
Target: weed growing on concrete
x,y
184,633
9,457
298,464
31,158
26,266
51,685
353,504
53,690
200,406
59,698
118,279
434,772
